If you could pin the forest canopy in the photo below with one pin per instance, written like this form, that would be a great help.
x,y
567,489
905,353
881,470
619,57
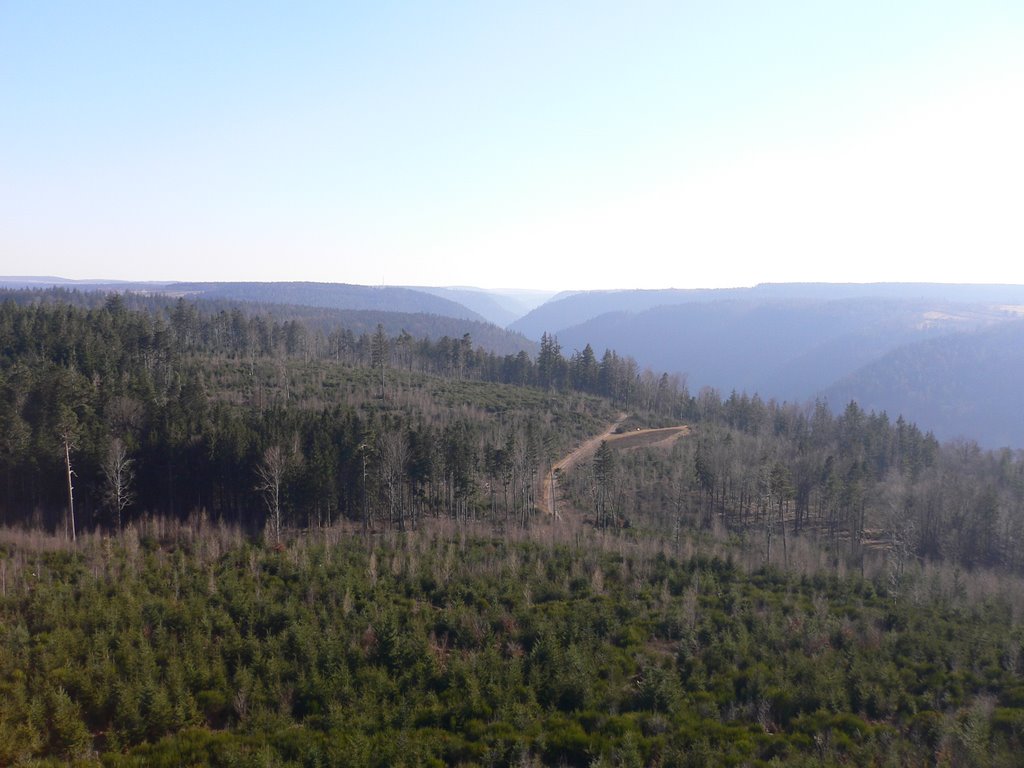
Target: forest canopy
x,y
230,538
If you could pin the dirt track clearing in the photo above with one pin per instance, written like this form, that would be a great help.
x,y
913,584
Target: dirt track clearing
x,y
647,438
662,437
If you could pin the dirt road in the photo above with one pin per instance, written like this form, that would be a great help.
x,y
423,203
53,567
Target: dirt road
x,y
662,437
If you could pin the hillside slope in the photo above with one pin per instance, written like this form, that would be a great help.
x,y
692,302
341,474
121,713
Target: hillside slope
x,y
959,385
330,295
783,349
797,349
309,294
573,309
419,325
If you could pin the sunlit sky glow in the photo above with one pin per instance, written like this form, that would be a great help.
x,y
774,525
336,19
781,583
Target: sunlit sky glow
x,y
552,145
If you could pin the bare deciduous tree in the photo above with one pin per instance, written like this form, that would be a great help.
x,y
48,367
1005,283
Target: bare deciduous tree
x,y
271,472
117,468
393,456
67,432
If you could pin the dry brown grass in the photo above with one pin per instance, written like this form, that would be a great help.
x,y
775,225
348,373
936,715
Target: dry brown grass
x,y
24,553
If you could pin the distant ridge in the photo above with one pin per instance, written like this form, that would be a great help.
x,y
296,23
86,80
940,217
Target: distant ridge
x,y
331,295
573,308
911,348
949,357
310,294
963,385
20,281
419,325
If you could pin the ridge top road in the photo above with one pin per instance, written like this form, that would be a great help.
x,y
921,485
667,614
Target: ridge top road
x,y
657,437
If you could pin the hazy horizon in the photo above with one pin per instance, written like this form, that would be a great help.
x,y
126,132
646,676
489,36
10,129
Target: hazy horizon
x,y
511,289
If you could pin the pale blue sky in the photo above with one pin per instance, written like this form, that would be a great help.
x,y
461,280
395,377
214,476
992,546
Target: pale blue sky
x,y
556,145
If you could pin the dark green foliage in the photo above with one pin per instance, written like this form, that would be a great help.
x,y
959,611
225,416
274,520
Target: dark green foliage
x,y
363,428
441,648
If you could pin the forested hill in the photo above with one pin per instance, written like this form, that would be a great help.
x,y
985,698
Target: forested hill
x,y
794,342
196,401
954,369
312,318
967,385
392,428
228,539
310,294
566,311
789,349
330,295
575,308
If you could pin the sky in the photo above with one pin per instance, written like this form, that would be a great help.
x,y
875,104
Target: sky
x,y
567,145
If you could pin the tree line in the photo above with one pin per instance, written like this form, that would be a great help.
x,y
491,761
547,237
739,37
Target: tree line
x,y
854,482
107,413
111,413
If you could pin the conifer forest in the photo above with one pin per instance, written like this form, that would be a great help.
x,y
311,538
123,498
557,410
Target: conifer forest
x,y
234,535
